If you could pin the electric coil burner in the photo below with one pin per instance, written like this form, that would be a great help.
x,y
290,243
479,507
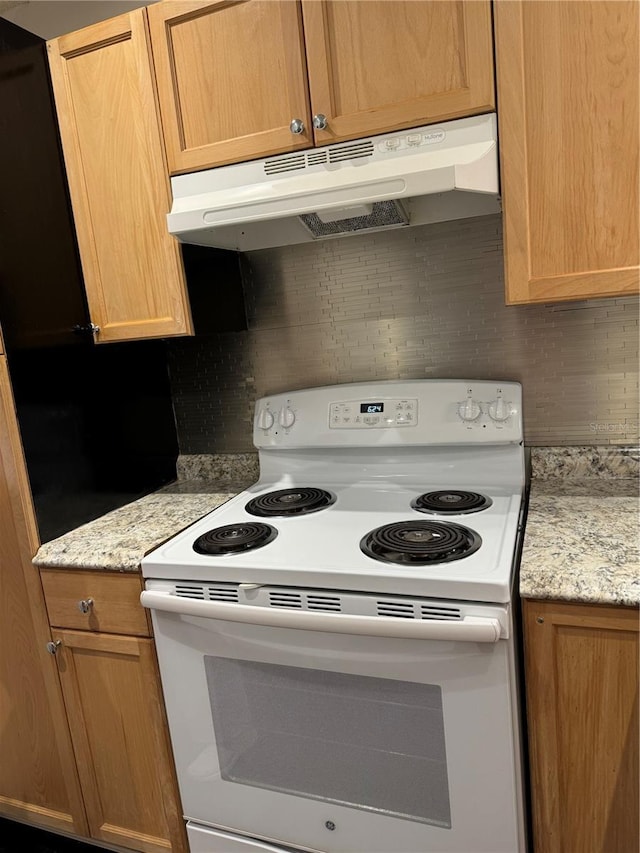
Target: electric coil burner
x,y
234,538
420,542
290,502
451,502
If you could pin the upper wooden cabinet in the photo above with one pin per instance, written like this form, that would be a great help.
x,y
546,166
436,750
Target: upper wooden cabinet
x,y
113,148
380,66
233,75
231,78
568,90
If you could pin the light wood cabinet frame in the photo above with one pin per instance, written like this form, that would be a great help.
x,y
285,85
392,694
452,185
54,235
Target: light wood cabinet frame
x,y
471,51
38,777
106,102
115,601
581,667
556,124
282,85
112,692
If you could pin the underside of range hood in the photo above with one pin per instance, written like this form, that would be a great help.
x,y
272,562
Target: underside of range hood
x,y
414,177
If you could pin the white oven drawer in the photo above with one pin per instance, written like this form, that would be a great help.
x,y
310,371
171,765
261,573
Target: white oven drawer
x,y
202,839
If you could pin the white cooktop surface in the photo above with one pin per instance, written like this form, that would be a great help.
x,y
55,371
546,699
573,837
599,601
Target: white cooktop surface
x,y
322,549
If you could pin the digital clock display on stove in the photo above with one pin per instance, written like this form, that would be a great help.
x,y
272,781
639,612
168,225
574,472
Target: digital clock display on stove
x,y
371,408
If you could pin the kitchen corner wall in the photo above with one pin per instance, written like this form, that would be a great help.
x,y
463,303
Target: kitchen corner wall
x,y
409,304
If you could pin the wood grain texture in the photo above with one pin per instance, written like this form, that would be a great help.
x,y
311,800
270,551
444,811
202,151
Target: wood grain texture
x,y
231,76
116,607
111,689
568,75
110,128
581,668
38,778
379,66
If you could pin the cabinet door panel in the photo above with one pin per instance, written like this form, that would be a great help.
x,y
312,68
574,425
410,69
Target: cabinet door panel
x,y
568,90
582,710
115,162
231,76
111,689
377,66
38,779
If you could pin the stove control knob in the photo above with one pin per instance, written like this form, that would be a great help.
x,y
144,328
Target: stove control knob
x,y
499,410
469,410
286,417
265,419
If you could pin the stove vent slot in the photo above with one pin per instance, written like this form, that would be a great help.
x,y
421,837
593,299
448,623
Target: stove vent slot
x,y
396,608
190,590
285,599
329,603
200,592
285,164
222,593
430,611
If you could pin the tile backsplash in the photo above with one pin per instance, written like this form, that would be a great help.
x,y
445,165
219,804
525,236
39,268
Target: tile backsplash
x,y
409,304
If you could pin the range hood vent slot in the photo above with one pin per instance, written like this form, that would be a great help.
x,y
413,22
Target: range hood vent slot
x,y
317,158
350,151
332,154
285,164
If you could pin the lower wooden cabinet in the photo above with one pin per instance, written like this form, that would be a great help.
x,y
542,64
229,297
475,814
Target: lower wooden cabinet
x,y
581,665
38,778
112,693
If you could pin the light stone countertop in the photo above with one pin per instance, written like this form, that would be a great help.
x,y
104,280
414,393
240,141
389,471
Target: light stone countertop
x,y
581,536
119,540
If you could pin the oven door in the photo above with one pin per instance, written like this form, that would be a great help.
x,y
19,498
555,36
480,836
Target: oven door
x,y
342,734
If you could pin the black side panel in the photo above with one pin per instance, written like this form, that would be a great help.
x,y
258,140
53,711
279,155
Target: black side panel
x,y
214,282
97,427
41,288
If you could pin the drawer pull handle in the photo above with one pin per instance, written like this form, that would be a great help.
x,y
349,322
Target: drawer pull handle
x,y
85,605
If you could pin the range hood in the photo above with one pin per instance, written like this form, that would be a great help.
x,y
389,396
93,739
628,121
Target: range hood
x,y
412,177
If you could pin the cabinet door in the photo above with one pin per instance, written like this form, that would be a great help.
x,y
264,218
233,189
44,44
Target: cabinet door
x,y
568,90
380,66
38,779
231,77
111,689
105,98
582,708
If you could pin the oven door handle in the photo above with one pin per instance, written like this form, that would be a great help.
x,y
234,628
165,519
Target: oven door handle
x,y
471,629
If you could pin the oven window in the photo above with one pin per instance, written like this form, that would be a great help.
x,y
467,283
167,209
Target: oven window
x,y
369,743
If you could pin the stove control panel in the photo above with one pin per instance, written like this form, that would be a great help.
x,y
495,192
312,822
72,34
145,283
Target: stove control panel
x,y
376,414
391,413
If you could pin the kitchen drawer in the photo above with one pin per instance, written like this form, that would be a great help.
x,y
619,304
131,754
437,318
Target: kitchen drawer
x,y
115,607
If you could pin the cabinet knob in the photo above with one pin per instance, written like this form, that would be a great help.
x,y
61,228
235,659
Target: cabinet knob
x,y
89,329
85,605
296,126
52,646
320,121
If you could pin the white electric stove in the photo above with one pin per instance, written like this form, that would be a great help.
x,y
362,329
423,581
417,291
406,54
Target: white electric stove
x,y
336,643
